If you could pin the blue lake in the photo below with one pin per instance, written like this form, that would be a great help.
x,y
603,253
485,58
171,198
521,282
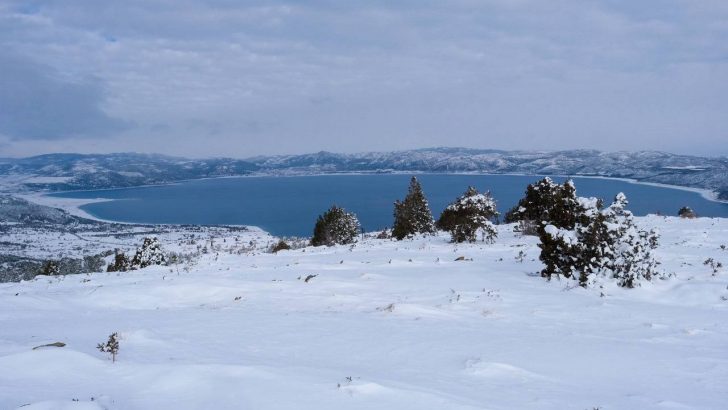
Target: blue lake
x,y
289,205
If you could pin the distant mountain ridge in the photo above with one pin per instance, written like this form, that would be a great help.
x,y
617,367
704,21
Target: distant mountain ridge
x,y
99,171
95,171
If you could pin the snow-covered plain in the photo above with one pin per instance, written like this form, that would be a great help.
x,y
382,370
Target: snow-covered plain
x,y
382,325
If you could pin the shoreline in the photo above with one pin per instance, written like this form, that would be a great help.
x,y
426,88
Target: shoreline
x,y
707,194
70,205
74,205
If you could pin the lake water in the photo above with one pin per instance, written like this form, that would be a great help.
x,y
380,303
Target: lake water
x,y
289,205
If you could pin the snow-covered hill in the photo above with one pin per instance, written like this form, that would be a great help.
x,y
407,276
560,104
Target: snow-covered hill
x,y
378,325
645,166
74,171
77,171
31,235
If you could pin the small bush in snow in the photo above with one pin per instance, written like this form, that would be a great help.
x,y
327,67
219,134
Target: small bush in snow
x,y
602,243
173,258
51,268
686,212
385,234
121,263
412,216
150,253
714,265
280,246
111,346
470,214
335,226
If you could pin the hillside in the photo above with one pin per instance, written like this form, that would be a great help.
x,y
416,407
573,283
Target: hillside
x,y
77,171
34,234
381,324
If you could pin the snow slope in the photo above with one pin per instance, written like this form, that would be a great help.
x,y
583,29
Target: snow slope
x,y
383,325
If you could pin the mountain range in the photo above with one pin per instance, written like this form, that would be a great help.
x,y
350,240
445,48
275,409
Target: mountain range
x,y
96,171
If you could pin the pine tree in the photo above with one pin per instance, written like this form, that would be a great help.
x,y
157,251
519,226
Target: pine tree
x,y
603,243
536,203
559,250
150,253
595,248
412,216
565,209
546,200
632,259
335,226
468,215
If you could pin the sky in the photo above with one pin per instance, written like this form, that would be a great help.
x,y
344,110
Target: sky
x,y
242,78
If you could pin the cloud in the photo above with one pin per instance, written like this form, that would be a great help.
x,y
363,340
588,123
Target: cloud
x,y
223,77
38,103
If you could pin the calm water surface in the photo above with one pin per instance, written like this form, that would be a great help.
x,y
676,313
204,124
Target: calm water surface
x,y
290,205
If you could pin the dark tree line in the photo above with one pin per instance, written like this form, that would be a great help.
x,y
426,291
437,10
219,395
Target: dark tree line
x,y
470,214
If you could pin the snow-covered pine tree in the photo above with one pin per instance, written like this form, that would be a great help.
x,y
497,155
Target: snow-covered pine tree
x,y
335,226
565,209
559,251
150,253
548,201
470,214
412,215
632,259
594,248
603,242
536,203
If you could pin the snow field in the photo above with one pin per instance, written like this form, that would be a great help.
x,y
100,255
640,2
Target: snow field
x,y
384,324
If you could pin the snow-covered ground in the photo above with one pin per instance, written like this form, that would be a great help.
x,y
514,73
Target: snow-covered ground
x,y
382,325
46,242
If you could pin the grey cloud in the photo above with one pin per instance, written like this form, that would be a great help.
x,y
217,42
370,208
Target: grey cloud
x,y
38,103
224,77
